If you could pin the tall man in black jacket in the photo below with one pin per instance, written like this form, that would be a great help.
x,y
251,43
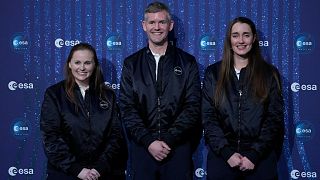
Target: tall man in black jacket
x,y
160,102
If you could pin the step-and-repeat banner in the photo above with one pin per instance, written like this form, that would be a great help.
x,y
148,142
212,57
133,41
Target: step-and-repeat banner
x,y
36,37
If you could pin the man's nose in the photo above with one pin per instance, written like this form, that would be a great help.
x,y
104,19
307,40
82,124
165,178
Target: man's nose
x,y
156,25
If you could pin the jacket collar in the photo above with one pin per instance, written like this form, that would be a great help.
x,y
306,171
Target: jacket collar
x,y
169,50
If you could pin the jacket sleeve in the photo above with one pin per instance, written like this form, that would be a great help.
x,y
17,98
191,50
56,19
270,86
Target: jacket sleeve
x,y
214,134
188,120
115,143
129,112
271,135
55,146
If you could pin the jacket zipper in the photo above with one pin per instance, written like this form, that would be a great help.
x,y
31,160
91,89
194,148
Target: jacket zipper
x,y
159,119
159,87
239,120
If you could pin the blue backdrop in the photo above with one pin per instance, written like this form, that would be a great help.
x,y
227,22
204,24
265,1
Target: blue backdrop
x,y
36,37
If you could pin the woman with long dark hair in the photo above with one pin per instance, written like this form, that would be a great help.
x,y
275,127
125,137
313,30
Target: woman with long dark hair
x,y
242,109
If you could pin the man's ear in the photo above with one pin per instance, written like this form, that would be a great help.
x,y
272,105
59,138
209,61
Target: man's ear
x,y
171,25
144,25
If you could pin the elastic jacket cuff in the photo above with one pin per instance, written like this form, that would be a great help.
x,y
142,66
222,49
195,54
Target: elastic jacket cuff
x,y
75,169
169,140
102,167
226,153
252,155
147,140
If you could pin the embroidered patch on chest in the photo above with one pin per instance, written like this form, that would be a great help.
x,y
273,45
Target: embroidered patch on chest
x,y
178,70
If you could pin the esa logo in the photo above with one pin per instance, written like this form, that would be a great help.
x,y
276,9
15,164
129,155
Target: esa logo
x,y
304,43
304,130
295,174
59,43
13,171
295,87
207,42
20,128
200,172
12,85
20,42
113,86
114,42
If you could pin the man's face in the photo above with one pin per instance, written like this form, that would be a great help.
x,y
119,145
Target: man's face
x,y
157,26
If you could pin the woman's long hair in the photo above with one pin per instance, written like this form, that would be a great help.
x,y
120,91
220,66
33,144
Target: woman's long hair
x,y
96,79
257,68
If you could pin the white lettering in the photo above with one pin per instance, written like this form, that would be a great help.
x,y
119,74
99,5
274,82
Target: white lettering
x,y
295,87
13,171
264,43
295,174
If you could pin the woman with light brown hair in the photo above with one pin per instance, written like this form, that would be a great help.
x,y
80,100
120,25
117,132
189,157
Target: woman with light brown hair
x,y
80,123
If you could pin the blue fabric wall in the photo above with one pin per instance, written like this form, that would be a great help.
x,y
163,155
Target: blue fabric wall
x,y
36,37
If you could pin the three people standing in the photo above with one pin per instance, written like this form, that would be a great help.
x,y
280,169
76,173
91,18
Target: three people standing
x,y
161,106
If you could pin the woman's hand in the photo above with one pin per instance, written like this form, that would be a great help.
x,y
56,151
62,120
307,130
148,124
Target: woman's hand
x,y
89,174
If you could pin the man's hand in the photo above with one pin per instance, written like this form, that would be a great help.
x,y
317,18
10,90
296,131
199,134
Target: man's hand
x,y
235,160
246,164
159,150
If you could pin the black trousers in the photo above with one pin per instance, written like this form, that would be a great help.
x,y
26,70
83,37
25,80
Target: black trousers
x,y
218,169
54,174
178,165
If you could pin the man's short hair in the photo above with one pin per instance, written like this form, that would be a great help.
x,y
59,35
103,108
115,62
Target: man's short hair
x,y
157,7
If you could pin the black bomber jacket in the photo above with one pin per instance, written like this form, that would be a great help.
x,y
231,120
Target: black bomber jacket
x,y
165,109
89,137
242,124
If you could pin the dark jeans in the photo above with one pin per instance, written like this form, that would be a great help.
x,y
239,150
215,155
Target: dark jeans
x,y
178,165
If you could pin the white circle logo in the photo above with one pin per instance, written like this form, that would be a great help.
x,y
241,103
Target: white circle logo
x,y
15,128
12,171
177,70
200,172
12,85
58,42
295,87
294,174
15,42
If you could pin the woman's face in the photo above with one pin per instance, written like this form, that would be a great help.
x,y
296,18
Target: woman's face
x,y
82,65
242,39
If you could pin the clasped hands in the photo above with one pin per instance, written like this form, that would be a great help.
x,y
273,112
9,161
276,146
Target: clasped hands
x,y
242,162
88,174
159,150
